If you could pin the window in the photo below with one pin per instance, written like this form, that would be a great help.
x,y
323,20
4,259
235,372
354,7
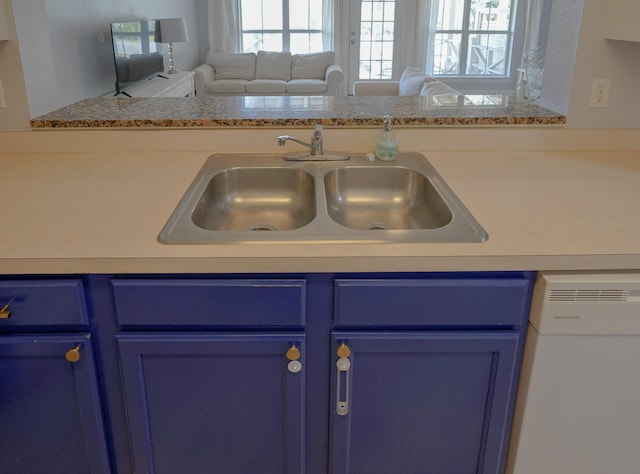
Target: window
x,y
471,37
377,24
281,25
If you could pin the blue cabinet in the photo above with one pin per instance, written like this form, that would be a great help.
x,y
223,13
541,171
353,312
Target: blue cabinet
x,y
221,386
424,372
428,402
406,373
313,374
208,303
205,403
50,409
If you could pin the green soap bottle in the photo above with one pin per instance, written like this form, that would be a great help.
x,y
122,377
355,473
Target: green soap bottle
x,y
386,145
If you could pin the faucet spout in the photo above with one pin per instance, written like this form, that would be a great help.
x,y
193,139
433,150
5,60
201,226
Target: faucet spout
x,y
316,141
316,152
282,139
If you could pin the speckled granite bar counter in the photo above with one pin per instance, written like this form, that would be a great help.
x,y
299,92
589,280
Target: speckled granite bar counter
x,y
278,111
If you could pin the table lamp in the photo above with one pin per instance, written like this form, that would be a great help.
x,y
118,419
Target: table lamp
x,y
172,30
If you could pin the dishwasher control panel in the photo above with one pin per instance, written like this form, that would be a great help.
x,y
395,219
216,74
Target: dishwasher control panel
x,y
586,303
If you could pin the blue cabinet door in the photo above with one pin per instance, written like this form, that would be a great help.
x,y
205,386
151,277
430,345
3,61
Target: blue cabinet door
x,y
427,403
50,415
214,403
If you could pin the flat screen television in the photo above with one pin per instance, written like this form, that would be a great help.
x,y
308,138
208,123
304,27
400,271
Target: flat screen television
x,y
136,53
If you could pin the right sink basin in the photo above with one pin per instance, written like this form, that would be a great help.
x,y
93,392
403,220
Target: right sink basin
x,y
384,198
260,198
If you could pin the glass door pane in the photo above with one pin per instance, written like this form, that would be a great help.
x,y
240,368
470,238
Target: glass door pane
x,y
377,23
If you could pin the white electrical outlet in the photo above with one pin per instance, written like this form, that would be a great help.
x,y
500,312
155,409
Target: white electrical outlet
x,y
600,93
3,103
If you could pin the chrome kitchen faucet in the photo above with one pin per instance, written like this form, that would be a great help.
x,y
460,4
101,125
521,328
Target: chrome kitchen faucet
x,y
315,145
316,153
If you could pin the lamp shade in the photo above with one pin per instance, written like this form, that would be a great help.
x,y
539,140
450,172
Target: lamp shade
x,y
172,30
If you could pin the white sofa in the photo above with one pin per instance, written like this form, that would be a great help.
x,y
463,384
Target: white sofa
x,y
413,82
269,73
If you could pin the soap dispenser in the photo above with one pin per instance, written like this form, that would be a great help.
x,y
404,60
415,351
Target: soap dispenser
x,y
386,146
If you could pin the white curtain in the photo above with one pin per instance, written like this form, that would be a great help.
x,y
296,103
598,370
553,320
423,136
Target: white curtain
x,y
224,26
533,18
328,26
422,22
333,26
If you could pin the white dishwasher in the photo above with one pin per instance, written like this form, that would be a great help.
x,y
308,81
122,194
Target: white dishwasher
x,y
578,405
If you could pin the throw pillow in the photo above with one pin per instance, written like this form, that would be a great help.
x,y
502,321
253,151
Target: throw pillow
x,y
411,82
273,65
311,66
233,66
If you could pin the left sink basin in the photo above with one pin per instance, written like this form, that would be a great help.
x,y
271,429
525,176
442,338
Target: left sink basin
x,y
254,199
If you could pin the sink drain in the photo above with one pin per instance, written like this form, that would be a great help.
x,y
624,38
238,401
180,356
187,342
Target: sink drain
x,y
260,227
377,226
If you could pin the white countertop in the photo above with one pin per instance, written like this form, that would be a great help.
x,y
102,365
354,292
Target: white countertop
x,y
102,213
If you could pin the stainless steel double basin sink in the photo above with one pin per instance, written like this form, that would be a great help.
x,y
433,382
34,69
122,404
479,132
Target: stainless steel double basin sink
x,y
251,198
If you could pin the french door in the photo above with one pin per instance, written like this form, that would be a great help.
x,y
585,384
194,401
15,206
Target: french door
x,y
372,48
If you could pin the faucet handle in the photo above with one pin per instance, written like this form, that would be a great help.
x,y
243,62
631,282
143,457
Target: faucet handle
x,y
317,134
316,141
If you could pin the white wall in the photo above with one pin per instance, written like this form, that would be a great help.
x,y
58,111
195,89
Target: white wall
x,y
600,58
578,53
66,47
15,116
37,56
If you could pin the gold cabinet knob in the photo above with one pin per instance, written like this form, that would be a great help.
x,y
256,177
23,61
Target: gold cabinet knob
x,y
293,353
4,311
73,355
343,350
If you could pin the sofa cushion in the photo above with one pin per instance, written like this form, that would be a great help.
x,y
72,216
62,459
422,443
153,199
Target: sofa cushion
x,y
411,82
266,86
435,87
306,86
311,66
273,65
226,86
233,66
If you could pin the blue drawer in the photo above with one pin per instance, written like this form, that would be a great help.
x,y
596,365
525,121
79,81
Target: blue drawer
x,y
211,303
476,302
37,303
